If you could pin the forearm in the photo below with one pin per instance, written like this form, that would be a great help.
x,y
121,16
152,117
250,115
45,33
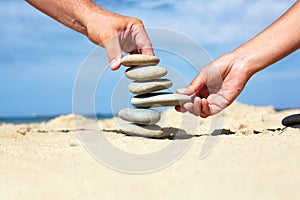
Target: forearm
x,y
275,42
74,14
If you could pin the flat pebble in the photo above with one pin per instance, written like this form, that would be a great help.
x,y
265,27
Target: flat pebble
x,y
142,87
291,120
140,116
139,59
144,131
159,99
145,73
75,142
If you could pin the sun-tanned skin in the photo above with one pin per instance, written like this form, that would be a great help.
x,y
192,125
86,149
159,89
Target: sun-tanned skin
x,y
220,82
116,33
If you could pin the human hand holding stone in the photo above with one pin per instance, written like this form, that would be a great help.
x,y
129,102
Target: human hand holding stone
x,y
118,33
219,83
215,87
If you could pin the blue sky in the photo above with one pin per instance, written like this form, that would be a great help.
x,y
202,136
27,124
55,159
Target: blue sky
x,y
39,58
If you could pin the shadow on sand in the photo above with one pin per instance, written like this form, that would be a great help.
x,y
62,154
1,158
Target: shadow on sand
x,y
180,134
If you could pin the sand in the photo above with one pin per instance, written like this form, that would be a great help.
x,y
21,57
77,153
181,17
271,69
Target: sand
x,y
255,158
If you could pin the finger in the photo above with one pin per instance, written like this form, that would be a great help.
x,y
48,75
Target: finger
x,y
203,115
148,51
180,109
197,83
135,52
197,105
217,103
190,108
128,45
115,63
194,87
114,52
187,91
205,109
143,42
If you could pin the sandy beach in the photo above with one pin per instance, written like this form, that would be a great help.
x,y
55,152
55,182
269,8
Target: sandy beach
x,y
254,157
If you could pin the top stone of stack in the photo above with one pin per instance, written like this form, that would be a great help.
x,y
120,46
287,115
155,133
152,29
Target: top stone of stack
x,y
139,59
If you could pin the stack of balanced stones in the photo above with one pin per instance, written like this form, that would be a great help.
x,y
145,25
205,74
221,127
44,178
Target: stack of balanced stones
x,y
147,79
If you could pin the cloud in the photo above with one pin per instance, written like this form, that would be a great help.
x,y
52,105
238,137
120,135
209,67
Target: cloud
x,y
211,22
29,37
214,22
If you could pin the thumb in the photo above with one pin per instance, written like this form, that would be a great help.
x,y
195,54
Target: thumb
x,y
114,52
194,87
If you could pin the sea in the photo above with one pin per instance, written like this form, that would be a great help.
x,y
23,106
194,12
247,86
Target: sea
x,y
42,118
46,118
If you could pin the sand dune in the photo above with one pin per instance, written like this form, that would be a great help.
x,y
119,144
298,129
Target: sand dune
x,y
254,157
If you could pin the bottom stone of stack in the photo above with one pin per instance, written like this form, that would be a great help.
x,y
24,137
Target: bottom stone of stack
x,y
154,130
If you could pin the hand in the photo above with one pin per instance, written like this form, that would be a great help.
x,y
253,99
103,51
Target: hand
x,y
219,83
118,33
112,31
216,87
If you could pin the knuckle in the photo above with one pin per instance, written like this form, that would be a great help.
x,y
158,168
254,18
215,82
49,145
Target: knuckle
x,y
138,23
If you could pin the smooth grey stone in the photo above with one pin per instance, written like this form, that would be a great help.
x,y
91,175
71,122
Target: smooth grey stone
x,y
159,99
145,73
291,120
144,131
143,87
140,116
139,59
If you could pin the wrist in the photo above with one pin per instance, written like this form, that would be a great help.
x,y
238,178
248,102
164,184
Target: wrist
x,y
86,13
250,61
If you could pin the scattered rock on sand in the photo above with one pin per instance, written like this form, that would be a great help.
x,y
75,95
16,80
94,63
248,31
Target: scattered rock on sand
x,y
291,120
75,142
23,131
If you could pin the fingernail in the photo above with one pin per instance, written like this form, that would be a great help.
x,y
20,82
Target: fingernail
x,y
115,63
180,90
